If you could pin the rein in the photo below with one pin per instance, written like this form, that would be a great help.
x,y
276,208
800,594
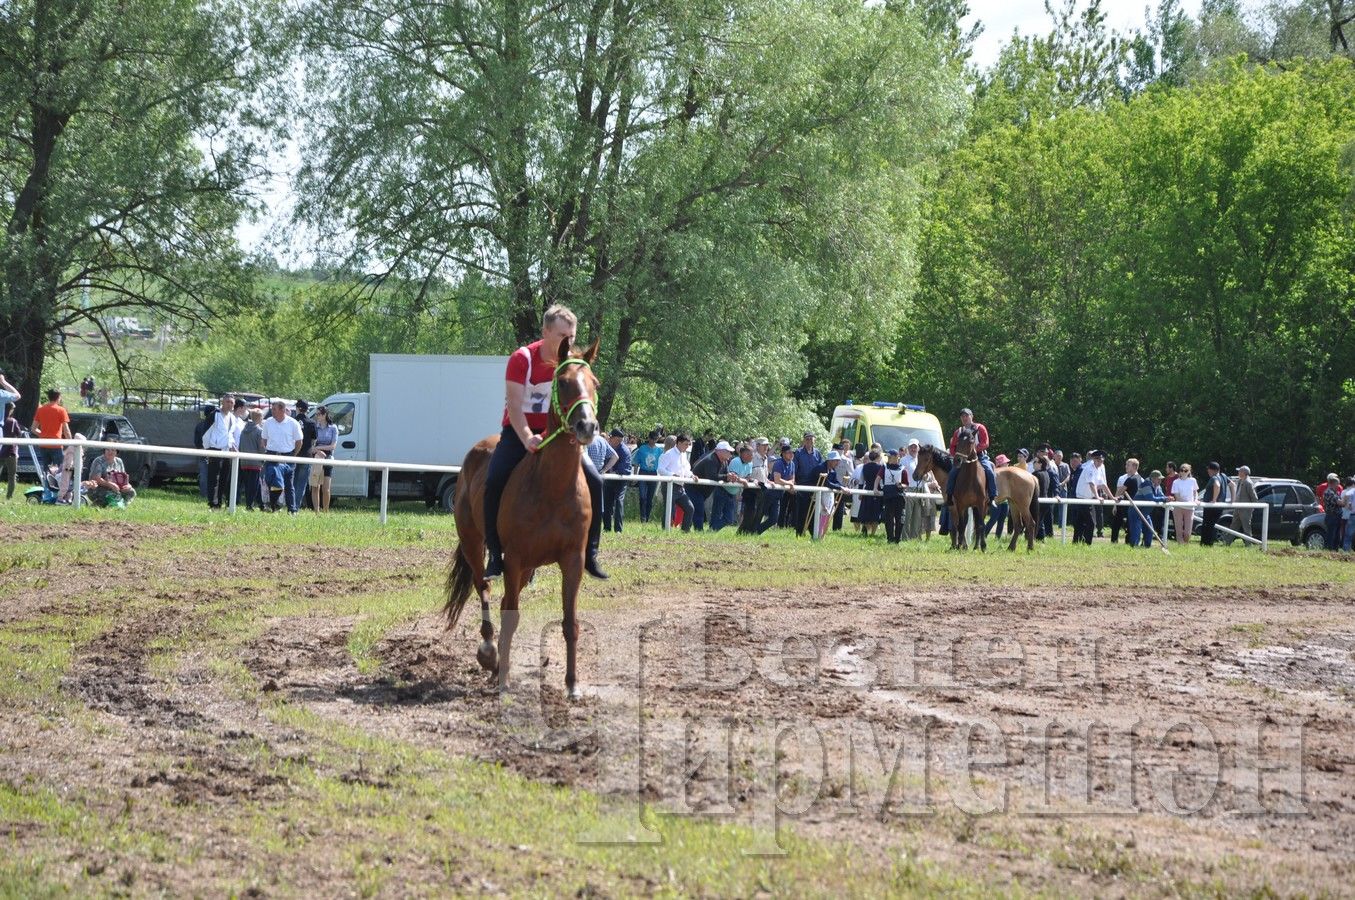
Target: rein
x,y
563,415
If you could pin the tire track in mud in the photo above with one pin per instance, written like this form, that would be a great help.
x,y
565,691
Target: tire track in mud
x,y
217,746
210,760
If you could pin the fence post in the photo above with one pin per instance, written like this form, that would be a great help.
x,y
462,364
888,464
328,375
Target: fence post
x,y
77,476
668,487
1063,520
385,490
1265,527
235,482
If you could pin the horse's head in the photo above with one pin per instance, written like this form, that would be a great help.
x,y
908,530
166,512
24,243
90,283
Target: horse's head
x,y
931,460
576,390
967,442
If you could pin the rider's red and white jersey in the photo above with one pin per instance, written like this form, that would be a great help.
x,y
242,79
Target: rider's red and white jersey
x,y
527,368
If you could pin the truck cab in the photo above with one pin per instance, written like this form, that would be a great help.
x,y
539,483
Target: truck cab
x,y
422,409
887,423
344,410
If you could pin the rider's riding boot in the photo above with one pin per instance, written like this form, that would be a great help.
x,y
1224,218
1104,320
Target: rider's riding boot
x,y
495,567
590,563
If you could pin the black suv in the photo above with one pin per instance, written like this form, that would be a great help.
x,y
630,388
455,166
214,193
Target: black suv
x,y
1291,501
100,427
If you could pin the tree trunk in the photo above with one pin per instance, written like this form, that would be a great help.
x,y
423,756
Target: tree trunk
x,y
526,316
29,271
22,345
625,337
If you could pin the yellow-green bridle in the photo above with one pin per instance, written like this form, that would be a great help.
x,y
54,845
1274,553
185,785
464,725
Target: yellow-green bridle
x,y
564,414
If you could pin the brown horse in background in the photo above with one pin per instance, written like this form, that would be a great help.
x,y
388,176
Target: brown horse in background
x,y
543,518
971,486
1019,487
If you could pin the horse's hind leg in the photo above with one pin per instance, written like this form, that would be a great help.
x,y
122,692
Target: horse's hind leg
x,y
486,655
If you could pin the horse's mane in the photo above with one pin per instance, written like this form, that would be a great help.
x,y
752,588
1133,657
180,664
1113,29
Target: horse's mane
x,y
940,458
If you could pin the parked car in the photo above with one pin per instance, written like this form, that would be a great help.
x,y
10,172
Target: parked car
x,y
1313,531
1292,504
98,427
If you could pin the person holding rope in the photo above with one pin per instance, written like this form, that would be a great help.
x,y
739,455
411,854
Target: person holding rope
x,y
528,382
1126,517
1150,491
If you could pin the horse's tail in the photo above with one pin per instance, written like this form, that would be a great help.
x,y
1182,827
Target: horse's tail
x,y
459,586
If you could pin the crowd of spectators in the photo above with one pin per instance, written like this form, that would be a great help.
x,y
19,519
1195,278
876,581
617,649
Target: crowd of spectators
x,y
749,466
300,478
762,485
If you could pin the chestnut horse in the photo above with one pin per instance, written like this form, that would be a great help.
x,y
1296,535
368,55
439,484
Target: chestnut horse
x,y
1019,487
971,486
543,517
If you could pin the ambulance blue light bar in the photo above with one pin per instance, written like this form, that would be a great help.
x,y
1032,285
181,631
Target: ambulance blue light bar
x,y
885,404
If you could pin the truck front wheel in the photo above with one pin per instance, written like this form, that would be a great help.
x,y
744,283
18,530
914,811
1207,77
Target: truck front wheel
x,y
447,495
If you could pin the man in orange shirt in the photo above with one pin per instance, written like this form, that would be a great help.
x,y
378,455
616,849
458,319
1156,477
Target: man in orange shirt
x,y
51,421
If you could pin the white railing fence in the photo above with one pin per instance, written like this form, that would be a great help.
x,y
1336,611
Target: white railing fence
x,y
386,468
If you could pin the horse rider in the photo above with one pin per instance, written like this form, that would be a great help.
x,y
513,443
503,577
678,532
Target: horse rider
x,y
967,421
528,384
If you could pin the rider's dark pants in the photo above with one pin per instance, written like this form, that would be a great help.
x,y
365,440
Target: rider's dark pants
x,y
501,465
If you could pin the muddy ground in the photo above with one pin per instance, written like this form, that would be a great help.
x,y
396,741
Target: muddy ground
x,y
1127,741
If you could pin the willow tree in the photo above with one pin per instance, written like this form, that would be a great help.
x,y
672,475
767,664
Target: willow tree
x,y
698,178
123,162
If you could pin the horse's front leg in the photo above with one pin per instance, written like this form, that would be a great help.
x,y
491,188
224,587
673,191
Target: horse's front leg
x,y
508,619
571,574
980,532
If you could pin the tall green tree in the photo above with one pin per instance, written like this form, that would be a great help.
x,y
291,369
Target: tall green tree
x,y
699,179
1174,276
125,160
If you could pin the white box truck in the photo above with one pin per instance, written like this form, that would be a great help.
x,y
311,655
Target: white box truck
x,y
421,409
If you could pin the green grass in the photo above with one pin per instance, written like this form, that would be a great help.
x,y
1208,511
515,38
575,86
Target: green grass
x,y
651,558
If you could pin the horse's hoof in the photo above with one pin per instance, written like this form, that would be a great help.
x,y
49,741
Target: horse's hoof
x,y
488,657
574,693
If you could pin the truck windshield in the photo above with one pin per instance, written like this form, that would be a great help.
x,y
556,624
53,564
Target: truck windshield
x,y
893,436
341,414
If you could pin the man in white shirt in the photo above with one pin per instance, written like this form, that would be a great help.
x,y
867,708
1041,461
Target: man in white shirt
x,y
909,458
281,437
1348,513
1090,486
674,462
220,436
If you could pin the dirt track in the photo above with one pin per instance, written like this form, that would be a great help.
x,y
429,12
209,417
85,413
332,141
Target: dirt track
x,y
1092,741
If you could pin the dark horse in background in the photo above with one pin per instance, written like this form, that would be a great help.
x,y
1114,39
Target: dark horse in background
x,y
971,486
543,518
